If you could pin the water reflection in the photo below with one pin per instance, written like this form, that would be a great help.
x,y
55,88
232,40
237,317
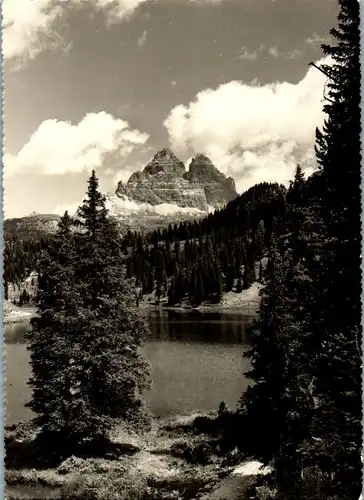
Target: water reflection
x,y
196,361
15,333
198,327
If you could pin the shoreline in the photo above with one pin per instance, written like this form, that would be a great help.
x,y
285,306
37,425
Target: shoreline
x,y
245,303
13,314
213,308
25,317
18,318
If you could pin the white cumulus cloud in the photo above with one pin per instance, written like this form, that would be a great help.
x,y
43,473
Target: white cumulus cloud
x,y
29,26
24,22
126,206
59,147
253,132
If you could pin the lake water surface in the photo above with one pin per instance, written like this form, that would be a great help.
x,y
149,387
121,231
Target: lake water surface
x,y
196,360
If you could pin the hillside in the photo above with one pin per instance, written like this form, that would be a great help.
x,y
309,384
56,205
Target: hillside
x,y
194,263
34,225
190,263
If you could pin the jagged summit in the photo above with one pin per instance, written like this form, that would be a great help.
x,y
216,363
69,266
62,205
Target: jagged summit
x,y
202,168
165,180
165,161
201,159
219,189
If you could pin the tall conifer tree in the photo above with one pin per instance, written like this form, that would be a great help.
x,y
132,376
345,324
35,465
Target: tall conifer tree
x,y
88,373
339,412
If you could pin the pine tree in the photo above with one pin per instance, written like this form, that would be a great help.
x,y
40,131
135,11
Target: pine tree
x,y
260,275
229,280
259,241
150,281
6,289
53,330
172,292
239,285
338,361
90,330
198,291
181,288
24,296
158,292
249,273
262,400
296,191
281,356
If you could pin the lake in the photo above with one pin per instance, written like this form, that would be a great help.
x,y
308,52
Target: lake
x,y
196,361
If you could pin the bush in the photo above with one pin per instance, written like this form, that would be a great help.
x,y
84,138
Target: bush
x,y
195,453
127,487
180,449
205,425
201,454
265,493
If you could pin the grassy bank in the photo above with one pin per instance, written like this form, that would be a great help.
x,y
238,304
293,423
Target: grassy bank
x,y
14,314
246,302
179,458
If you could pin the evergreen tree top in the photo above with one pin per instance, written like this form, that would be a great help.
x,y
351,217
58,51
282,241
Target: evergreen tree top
x,y
92,215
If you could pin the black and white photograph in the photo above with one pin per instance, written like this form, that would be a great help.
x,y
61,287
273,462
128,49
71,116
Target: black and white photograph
x,y
182,250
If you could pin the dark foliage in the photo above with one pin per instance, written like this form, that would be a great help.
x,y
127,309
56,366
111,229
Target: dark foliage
x,y
88,373
199,261
306,344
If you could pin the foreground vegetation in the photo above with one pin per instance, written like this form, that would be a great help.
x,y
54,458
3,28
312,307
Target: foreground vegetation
x,y
306,345
178,458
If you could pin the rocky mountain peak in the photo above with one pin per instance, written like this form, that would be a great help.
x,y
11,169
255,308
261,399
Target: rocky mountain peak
x,y
167,162
201,159
165,180
202,169
219,189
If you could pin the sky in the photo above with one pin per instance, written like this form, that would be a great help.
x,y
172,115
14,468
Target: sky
x,y
105,84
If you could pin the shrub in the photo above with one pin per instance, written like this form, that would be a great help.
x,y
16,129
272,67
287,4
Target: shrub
x,y
201,454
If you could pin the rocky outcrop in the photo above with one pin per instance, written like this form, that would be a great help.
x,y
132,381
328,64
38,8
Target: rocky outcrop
x,y
165,180
162,181
219,189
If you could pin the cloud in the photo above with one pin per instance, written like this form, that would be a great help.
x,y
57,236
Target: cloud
x,y
143,38
29,26
126,206
273,51
253,132
253,55
249,55
24,23
316,39
294,54
58,147
117,10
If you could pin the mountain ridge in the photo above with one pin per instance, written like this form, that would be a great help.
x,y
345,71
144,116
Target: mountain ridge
x,y
165,180
164,191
